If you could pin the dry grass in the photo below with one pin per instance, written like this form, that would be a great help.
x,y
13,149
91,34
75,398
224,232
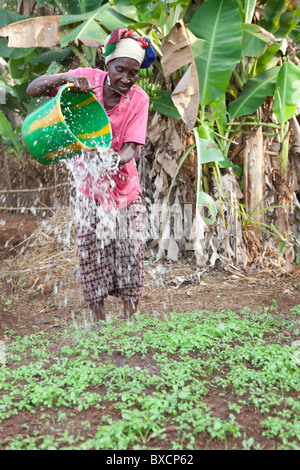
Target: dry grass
x,y
53,245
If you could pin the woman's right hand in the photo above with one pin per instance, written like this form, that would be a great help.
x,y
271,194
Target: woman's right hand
x,y
82,83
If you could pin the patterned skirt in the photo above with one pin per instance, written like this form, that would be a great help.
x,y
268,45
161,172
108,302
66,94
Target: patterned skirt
x,y
110,249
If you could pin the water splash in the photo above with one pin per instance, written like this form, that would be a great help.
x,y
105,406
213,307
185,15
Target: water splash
x,y
96,168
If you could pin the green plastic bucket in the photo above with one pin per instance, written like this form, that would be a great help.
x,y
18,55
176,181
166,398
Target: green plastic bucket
x,y
65,125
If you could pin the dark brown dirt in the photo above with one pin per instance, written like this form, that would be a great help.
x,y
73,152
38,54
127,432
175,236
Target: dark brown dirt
x,y
14,229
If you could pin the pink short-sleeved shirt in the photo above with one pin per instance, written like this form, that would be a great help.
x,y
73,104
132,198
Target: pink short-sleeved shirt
x,y
125,186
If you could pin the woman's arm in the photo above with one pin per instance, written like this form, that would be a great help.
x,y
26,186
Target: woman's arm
x,y
128,151
42,86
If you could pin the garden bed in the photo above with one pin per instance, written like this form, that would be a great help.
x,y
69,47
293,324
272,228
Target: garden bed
x,y
211,362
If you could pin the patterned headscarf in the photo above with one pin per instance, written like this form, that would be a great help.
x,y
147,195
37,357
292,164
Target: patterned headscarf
x,y
145,54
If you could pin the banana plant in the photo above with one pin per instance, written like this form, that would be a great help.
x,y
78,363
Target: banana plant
x,y
248,54
207,152
219,47
216,54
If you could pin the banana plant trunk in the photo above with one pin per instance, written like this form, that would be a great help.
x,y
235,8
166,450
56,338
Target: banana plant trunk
x,y
254,179
25,7
285,186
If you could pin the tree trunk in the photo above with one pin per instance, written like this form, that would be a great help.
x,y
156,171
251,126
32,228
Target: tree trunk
x,y
254,179
25,7
285,186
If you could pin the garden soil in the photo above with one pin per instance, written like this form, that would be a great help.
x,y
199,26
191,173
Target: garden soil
x,y
36,305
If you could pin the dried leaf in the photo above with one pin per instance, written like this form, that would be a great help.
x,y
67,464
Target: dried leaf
x,y
36,32
186,96
269,36
197,237
178,218
177,52
167,163
173,250
161,185
176,48
156,128
173,136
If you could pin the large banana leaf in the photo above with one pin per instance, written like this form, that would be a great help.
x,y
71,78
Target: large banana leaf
x,y
254,93
287,94
111,19
218,25
88,5
80,17
90,27
138,10
164,105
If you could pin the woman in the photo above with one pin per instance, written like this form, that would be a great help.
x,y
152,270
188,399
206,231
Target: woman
x,y
112,265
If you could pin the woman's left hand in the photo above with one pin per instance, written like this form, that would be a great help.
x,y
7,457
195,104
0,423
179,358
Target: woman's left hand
x,y
127,152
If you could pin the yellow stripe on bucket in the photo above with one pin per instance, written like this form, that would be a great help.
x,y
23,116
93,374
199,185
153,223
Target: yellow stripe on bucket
x,y
54,117
105,130
74,147
84,103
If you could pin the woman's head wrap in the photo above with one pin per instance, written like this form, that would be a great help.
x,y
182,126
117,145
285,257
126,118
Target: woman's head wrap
x,y
123,42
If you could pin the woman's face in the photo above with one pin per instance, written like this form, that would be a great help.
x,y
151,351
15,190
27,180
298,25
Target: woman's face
x,y
123,73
